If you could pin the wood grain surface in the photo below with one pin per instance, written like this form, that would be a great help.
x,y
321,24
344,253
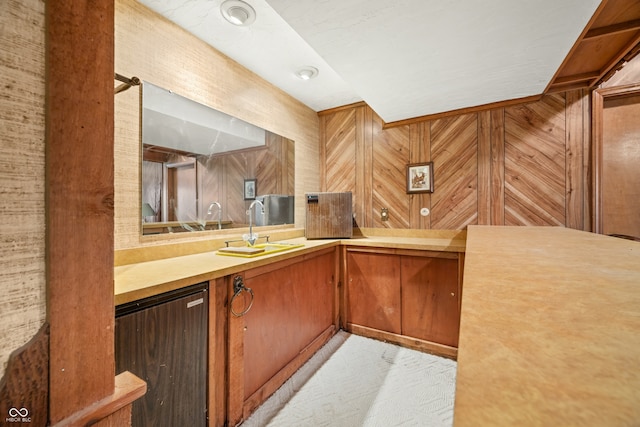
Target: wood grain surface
x,y
535,163
548,331
525,164
24,389
80,205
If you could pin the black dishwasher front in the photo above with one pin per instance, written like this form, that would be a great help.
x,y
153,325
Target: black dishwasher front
x,y
163,340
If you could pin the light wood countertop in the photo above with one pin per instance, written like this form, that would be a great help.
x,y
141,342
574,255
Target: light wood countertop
x,y
135,281
144,279
550,329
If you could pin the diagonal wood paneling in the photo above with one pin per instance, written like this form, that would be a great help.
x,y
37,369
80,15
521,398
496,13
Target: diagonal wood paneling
x,y
522,165
419,151
454,147
340,151
535,163
236,166
267,172
290,187
390,156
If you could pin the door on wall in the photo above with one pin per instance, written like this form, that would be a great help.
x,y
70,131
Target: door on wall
x,y
181,191
618,162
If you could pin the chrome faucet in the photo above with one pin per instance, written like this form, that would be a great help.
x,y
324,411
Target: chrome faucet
x,y
251,237
219,213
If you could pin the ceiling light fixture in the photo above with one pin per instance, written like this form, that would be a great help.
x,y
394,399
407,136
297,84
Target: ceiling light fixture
x,y
238,12
307,73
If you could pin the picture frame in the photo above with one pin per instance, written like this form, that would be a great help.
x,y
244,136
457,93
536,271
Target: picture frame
x,y
250,189
420,178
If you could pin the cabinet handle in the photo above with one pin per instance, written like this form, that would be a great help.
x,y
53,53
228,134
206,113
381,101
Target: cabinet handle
x,y
238,287
453,294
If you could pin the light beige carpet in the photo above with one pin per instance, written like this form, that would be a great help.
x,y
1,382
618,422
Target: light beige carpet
x,y
355,381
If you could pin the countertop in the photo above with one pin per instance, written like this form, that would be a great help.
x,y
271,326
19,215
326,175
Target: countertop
x,y
144,279
550,329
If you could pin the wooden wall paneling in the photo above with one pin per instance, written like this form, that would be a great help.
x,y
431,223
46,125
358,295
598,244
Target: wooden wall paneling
x,y
454,154
210,180
597,105
234,205
497,166
80,204
535,163
390,156
575,180
587,157
290,187
268,167
525,165
322,119
464,111
282,173
419,151
340,151
365,168
484,168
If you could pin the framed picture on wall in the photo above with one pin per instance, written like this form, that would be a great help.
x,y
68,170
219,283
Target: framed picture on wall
x,y
420,178
250,189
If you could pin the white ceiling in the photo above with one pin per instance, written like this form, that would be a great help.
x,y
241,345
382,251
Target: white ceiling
x,y
404,58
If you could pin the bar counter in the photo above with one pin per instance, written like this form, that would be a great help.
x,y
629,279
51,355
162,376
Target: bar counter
x,y
550,329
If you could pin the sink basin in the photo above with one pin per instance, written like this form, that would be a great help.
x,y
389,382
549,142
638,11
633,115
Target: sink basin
x,y
261,249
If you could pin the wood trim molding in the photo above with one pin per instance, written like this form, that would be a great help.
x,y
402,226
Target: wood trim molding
x,y
341,108
467,110
404,341
127,388
633,25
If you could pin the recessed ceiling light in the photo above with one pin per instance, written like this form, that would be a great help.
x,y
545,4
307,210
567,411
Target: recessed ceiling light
x,y
238,12
307,73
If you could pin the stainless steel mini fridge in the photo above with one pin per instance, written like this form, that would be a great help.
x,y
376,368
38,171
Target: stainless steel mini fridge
x,y
278,209
329,216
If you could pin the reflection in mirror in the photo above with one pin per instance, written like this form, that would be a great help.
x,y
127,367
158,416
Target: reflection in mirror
x,y
197,161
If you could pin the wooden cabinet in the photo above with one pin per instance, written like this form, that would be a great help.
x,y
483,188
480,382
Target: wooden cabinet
x,y
405,296
293,314
374,291
430,298
163,340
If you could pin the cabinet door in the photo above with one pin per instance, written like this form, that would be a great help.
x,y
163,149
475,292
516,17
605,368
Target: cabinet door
x,y
293,305
373,291
166,345
430,309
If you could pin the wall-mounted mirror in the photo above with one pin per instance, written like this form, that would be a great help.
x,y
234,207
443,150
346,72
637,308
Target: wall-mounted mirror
x,y
201,168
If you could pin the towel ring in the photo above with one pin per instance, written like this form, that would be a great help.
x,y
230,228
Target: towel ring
x,y
238,287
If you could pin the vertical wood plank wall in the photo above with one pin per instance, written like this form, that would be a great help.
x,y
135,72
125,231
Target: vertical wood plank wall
x,y
526,164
